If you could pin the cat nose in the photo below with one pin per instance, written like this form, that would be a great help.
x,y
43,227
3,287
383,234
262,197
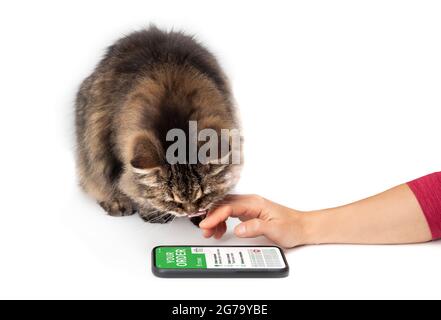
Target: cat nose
x,y
189,208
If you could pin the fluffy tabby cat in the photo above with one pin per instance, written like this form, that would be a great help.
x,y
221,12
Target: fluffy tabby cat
x,y
148,83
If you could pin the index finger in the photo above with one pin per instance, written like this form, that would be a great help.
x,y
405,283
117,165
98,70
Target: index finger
x,y
246,207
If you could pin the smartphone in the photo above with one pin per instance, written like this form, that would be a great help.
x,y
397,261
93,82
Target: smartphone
x,y
219,262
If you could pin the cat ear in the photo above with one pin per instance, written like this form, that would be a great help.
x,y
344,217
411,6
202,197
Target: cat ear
x,y
222,160
227,149
146,153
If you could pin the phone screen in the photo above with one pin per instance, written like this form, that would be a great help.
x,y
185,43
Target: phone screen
x,y
220,259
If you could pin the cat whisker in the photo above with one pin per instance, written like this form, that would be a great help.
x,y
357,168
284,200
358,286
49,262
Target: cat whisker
x,y
161,217
155,218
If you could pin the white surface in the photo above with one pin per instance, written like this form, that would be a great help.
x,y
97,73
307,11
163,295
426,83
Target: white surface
x,y
339,99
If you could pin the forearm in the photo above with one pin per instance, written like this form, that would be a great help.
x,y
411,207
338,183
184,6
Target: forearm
x,y
392,217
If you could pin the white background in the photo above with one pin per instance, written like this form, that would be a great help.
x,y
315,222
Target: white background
x,y
339,100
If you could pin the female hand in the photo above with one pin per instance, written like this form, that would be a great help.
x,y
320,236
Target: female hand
x,y
260,217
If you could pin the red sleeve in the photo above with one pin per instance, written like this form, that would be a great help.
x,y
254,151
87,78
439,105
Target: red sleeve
x,y
428,192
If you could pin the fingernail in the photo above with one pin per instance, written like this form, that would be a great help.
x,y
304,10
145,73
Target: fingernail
x,y
240,230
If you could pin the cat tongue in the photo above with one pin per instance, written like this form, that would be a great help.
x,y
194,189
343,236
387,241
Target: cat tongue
x,y
197,214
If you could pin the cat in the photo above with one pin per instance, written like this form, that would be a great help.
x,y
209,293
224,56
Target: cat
x,y
148,83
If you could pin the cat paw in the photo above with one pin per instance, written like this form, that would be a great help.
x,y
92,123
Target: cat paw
x,y
197,220
119,206
152,216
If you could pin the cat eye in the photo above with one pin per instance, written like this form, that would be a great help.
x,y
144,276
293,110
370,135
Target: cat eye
x,y
177,199
198,194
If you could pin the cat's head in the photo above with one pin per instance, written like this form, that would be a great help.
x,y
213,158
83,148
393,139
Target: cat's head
x,y
179,189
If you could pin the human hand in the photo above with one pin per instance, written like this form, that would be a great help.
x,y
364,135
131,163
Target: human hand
x,y
260,217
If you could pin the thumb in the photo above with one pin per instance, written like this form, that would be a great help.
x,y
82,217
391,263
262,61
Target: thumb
x,y
251,228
